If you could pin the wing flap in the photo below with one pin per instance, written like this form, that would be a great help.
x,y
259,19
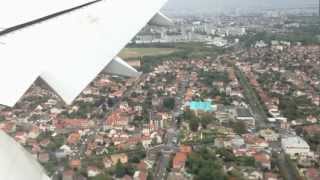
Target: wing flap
x,y
119,67
161,20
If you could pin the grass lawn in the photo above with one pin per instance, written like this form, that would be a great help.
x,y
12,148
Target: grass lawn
x,y
128,53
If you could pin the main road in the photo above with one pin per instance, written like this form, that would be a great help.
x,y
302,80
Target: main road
x,y
171,138
288,171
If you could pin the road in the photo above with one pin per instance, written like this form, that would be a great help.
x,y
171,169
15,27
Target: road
x,y
171,138
166,152
289,172
256,107
169,148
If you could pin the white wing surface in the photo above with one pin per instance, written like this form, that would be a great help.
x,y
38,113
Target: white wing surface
x,y
68,51
15,12
119,67
16,163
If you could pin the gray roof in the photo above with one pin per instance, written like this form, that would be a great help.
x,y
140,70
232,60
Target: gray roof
x,y
243,112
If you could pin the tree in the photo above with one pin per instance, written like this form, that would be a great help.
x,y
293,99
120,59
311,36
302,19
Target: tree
x,y
211,76
150,175
289,107
154,141
130,170
236,174
246,161
194,125
239,127
2,118
226,154
205,120
138,154
120,170
169,103
101,177
209,174
138,120
204,165
192,119
188,114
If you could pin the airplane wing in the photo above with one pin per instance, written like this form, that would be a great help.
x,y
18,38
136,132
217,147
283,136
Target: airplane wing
x,y
69,50
15,12
160,20
119,67
16,163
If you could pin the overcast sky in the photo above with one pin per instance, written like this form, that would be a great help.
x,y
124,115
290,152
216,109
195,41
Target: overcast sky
x,y
223,5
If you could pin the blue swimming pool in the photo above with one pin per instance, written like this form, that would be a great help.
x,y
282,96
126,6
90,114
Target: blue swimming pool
x,y
201,105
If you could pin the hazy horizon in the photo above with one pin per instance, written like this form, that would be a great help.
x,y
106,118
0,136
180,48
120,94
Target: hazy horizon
x,y
218,6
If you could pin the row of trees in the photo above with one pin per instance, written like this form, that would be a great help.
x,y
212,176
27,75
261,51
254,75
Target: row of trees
x,y
204,165
228,156
196,121
297,107
211,76
306,35
184,51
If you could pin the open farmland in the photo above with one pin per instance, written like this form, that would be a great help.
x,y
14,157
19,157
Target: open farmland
x,y
129,53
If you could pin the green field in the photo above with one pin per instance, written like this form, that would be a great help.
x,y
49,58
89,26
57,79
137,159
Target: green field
x,y
128,53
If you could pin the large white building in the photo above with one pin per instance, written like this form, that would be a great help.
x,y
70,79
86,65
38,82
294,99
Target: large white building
x,y
295,145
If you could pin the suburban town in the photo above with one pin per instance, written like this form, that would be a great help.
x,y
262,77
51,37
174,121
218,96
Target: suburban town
x,y
219,98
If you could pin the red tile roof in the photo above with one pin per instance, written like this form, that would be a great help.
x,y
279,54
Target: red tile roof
x,y
179,160
73,138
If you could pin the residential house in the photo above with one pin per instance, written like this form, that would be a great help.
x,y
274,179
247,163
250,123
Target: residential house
x,y
139,175
93,171
107,162
179,161
123,158
269,135
73,138
44,157
75,163
245,116
270,176
34,132
185,149
68,175
264,160
312,174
